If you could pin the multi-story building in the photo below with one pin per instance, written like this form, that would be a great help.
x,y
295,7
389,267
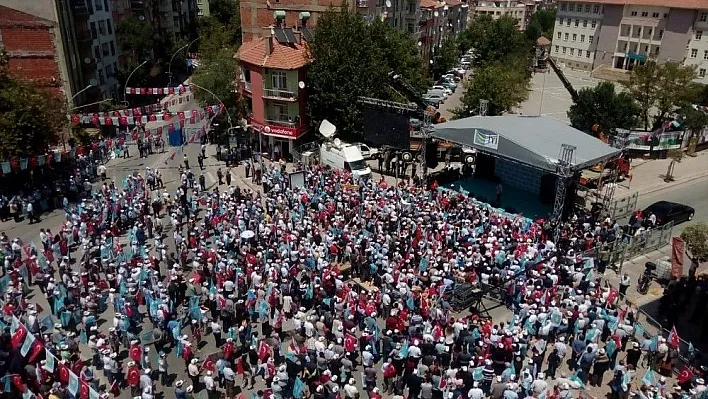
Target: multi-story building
x,y
438,21
273,81
255,14
68,45
519,10
617,34
176,18
203,8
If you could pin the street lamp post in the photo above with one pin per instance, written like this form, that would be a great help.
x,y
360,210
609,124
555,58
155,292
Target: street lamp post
x,y
169,66
79,92
228,115
130,76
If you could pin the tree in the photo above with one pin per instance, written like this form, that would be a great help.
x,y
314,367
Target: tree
x,y
542,23
496,40
351,58
603,109
694,121
445,58
139,37
696,238
642,87
504,85
218,74
224,14
30,119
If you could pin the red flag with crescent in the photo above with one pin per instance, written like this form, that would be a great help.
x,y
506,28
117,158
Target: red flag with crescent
x,y
17,382
685,375
63,373
133,376
135,353
37,348
673,339
18,338
84,389
263,351
115,388
350,343
208,364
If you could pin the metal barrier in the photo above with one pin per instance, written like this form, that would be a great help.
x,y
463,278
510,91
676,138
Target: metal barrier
x,y
623,206
630,246
297,152
653,328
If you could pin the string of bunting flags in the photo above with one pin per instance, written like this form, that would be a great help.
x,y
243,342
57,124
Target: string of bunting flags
x,y
154,91
116,119
137,111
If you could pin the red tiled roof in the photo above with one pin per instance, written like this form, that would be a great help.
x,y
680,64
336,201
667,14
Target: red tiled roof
x,y
428,4
687,4
293,56
453,3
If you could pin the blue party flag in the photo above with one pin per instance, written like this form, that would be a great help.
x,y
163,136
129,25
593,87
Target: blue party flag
x,y
8,384
649,377
478,373
298,387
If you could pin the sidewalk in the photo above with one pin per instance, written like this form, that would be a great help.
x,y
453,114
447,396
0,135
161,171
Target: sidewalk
x,y
648,174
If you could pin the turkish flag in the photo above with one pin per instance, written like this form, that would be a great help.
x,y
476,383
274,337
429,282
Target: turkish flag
x,y
166,117
123,121
159,130
134,136
135,353
171,127
108,121
84,389
152,118
36,349
63,373
18,338
75,119
350,343
95,120
685,375
143,90
17,382
115,389
208,364
180,115
673,339
133,376
263,351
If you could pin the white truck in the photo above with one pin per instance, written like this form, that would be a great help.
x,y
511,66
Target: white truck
x,y
341,155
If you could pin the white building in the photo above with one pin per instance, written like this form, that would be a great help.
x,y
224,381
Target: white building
x,y
105,48
576,34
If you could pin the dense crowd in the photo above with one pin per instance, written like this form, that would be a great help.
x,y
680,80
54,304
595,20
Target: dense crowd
x,y
335,289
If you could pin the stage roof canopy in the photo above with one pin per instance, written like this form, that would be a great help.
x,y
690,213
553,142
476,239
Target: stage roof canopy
x,y
532,140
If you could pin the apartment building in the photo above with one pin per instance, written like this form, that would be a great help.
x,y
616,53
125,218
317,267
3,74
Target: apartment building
x,y
203,8
439,20
68,46
256,14
519,10
176,18
618,34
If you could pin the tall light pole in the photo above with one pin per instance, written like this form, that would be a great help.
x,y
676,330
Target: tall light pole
x,y
169,66
130,76
217,99
79,92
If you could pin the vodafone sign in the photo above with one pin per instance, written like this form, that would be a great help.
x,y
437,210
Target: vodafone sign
x,y
276,131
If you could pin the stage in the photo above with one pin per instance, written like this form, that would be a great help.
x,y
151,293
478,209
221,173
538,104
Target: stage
x,y
514,200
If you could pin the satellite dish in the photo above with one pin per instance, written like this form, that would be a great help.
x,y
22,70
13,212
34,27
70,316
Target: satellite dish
x,y
301,84
327,129
420,43
388,3
337,142
436,13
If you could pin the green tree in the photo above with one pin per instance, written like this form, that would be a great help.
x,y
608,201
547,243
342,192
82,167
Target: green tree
x,y
696,238
642,87
603,108
445,58
139,37
218,74
504,85
351,58
496,40
30,119
542,23
675,89
226,14
694,121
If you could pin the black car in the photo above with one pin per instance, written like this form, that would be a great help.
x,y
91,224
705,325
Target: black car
x,y
666,211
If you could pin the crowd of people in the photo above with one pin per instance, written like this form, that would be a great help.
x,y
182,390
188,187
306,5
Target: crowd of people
x,y
332,290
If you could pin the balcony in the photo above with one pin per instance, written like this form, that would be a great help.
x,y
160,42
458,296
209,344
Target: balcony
x,y
280,94
362,3
83,37
284,123
79,8
247,86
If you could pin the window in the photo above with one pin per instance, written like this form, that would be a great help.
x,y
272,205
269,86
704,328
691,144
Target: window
x,y
705,54
633,13
566,37
567,23
99,5
100,77
655,15
97,52
694,53
563,6
571,7
666,16
108,71
575,37
593,24
577,22
105,5
113,49
585,23
582,38
110,26
563,50
702,17
94,34
661,33
702,73
556,49
587,54
699,34
104,48
646,49
590,39
645,14
572,51
596,9
280,112
560,21
102,27
558,35
279,80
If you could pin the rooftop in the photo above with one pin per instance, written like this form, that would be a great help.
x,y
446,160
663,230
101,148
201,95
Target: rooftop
x,y
284,56
686,4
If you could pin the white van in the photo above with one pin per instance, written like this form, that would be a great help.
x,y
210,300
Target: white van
x,y
341,155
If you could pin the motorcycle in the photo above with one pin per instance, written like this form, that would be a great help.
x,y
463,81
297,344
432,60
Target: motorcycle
x,y
645,278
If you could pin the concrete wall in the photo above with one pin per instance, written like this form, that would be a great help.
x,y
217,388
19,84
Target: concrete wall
x,y
677,35
45,9
519,176
609,31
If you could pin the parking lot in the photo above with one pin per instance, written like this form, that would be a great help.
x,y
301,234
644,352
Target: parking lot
x,y
548,96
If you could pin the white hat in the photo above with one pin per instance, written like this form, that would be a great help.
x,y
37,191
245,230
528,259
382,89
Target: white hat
x,y
179,383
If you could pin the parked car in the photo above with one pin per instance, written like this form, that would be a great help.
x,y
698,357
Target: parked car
x,y
433,99
366,151
451,77
446,90
448,83
666,212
